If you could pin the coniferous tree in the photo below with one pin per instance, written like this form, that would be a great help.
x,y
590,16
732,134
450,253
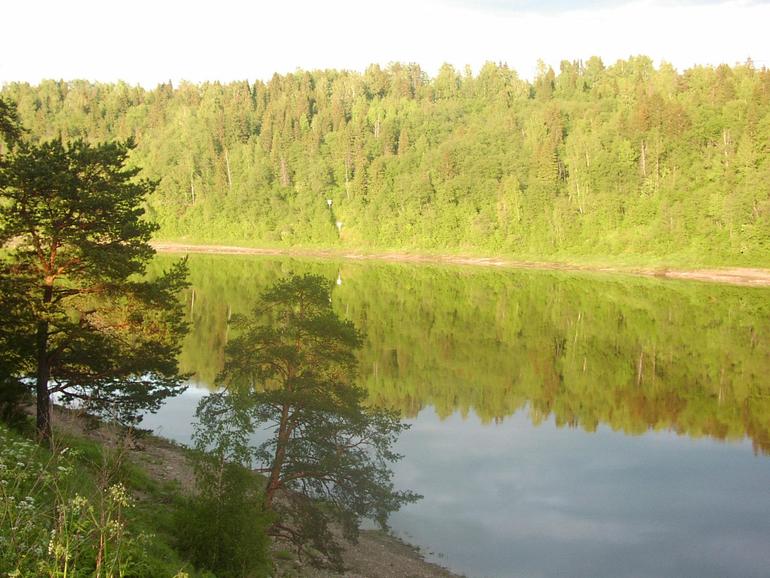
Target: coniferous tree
x,y
10,129
292,369
89,327
618,162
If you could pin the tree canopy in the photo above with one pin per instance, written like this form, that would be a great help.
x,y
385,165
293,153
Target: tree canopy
x,y
292,368
81,321
10,129
588,161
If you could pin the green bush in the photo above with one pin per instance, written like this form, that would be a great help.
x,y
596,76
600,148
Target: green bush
x,y
223,527
13,394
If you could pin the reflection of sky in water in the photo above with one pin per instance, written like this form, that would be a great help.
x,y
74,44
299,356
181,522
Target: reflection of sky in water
x,y
175,418
512,499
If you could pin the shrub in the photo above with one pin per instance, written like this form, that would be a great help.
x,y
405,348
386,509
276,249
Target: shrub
x,y
223,527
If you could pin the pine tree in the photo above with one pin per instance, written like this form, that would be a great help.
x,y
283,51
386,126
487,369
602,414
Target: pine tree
x,y
90,327
292,368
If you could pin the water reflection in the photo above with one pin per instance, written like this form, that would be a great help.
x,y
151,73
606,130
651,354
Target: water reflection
x,y
633,354
527,393
291,371
513,499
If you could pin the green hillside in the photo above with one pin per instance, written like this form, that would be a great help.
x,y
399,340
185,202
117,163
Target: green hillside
x,y
620,163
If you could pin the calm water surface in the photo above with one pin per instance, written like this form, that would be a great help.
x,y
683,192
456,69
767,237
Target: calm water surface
x,y
562,425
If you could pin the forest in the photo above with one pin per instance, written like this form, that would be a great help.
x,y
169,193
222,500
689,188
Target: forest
x,y
626,162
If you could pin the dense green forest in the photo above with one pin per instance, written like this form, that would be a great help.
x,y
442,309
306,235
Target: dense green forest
x,y
631,354
624,162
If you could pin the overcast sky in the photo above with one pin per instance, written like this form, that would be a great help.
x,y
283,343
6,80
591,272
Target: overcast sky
x,y
149,41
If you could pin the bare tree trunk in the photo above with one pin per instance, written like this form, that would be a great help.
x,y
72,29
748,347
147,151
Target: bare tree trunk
x,y
347,175
229,175
579,196
727,140
284,173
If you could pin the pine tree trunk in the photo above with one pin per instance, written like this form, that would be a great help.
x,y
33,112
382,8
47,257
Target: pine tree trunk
x,y
43,422
280,454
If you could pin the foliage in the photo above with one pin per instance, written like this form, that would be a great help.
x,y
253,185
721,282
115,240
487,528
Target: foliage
x,y
82,509
23,540
12,390
625,161
49,528
10,129
80,321
223,526
292,365
13,394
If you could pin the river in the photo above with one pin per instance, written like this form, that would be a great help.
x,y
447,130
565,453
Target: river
x,y
562,424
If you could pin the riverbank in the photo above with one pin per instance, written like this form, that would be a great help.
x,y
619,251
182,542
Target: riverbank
x,y
375,555
744,276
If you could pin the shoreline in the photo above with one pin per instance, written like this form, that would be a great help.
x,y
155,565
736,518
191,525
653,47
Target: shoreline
x,y
376,554
742,276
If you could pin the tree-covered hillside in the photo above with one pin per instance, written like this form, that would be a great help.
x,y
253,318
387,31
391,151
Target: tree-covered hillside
x,y
620,162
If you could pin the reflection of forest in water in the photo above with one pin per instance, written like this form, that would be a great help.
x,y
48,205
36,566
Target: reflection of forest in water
x,y
631,353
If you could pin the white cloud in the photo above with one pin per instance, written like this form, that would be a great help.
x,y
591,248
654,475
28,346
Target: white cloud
x,y
151,41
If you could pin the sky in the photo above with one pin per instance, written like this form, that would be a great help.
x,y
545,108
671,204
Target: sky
x,y
150,41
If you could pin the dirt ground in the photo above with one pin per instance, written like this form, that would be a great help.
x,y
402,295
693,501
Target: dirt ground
x,y
731,275
375,555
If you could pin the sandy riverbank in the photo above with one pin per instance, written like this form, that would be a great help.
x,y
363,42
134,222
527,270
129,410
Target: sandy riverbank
x,y
754,277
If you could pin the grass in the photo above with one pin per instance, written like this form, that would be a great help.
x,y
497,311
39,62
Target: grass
x,y
71,502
